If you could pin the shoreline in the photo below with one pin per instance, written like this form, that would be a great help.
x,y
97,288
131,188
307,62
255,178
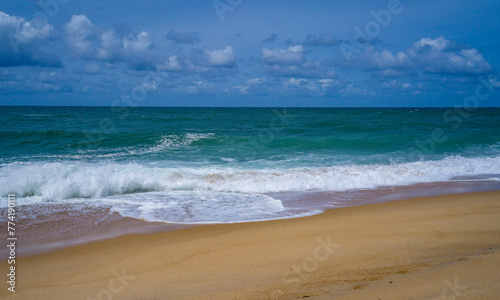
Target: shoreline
x,y
396,249
59,225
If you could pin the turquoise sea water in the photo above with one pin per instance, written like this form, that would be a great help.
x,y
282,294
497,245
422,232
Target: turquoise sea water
x,y
202,165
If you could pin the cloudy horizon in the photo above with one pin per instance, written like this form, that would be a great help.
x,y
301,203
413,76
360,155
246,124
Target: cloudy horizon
x,y
248,53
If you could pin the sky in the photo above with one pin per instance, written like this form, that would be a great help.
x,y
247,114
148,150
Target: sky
x,y
283,53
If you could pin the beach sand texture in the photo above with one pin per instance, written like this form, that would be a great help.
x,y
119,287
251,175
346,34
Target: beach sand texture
x,y
445,247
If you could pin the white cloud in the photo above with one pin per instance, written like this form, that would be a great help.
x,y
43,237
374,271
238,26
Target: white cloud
x,y
438,44
21,42
291,56
209,63
220,58
433,56
298,83
301,86
386,60
171,65
326,84
87,41
292,62
79,35
26,31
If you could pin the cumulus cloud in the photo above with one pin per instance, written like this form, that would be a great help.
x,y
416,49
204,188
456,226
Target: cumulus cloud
x,y
201,61
301,84
438,44
80,36
86,41
370,59
436,56
291,56
190,37
432,56
220,58
293,62
21,43
172,64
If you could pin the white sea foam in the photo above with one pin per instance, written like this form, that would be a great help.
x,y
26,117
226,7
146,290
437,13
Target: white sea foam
x,y
172,141
189,207
227,159
65,180
217,194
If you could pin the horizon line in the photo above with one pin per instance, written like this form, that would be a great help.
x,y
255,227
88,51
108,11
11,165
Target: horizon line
x,y
104,106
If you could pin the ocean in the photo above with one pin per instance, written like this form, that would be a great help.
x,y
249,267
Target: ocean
x,y
226,165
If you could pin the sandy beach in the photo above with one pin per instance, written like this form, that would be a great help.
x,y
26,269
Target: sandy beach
x,y
445,247
230,149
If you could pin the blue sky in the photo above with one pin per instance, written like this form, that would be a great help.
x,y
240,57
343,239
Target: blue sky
x,y
249,53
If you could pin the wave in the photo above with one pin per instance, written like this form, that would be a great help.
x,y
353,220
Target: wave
x,y
47,181
184,207
164,143
173,141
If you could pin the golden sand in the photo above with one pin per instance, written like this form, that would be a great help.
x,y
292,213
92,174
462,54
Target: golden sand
x,y
445,247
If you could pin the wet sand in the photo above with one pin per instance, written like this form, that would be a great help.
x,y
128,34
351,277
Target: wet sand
x,y
442,247
54,225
